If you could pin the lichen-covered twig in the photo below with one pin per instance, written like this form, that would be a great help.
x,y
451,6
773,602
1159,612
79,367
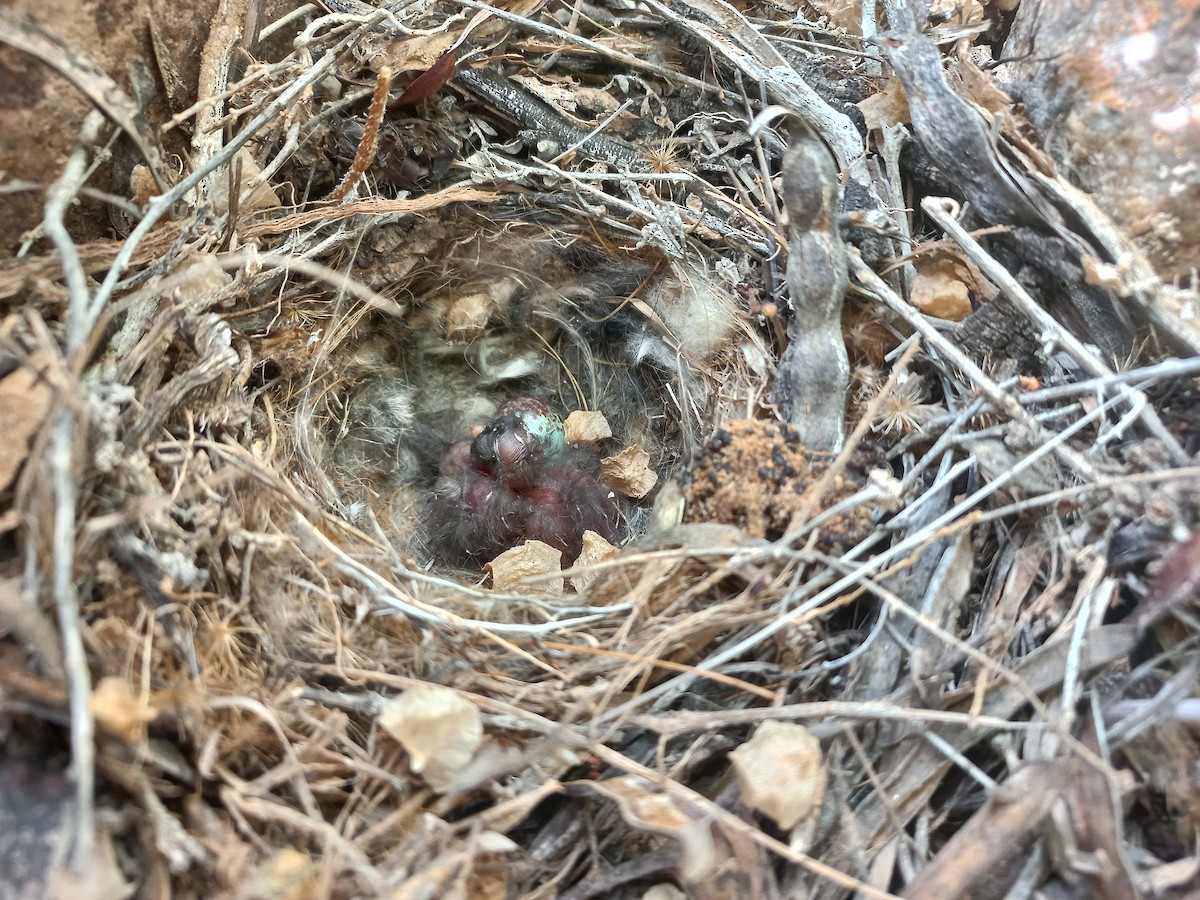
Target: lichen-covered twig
x,y
62,476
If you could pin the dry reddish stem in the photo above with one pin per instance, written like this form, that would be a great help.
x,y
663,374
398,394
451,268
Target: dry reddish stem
x,y
365,154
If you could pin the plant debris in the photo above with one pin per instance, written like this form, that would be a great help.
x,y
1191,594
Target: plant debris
x,y
864,564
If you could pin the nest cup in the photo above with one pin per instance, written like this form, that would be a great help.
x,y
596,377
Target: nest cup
x,y
492,317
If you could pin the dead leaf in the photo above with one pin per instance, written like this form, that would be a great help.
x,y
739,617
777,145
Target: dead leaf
x,y
561,92
942,289
419,53
142,185
428,82
781,773
629,472
886,107
202,278
644,806
980,88
587,427
844,14
529,561
595,550
1177,581
1104,275
572,96
288,874
490,872
506,815
961,12
253,192
439,728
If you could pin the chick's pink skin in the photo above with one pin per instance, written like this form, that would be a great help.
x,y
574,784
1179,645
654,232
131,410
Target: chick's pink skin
x,y
512,449
567,502
456,459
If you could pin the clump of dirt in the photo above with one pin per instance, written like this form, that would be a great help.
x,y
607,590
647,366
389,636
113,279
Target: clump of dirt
x,y
756,474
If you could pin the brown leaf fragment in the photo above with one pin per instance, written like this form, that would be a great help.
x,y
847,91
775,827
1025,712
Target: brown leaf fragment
x,y
489,877
1177,581
781,773
531,560
942,289
24,400
886,107
989,847
1104,275
629,472
595,550
419,52
254,193
287,874
440,729
961,11
643,806
845,14
979,87
428,82
586,427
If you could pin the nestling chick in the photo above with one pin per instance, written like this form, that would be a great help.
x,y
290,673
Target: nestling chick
x,y
515,482
422,425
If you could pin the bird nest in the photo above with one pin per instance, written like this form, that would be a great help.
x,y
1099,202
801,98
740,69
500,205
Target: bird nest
x,y
310,591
